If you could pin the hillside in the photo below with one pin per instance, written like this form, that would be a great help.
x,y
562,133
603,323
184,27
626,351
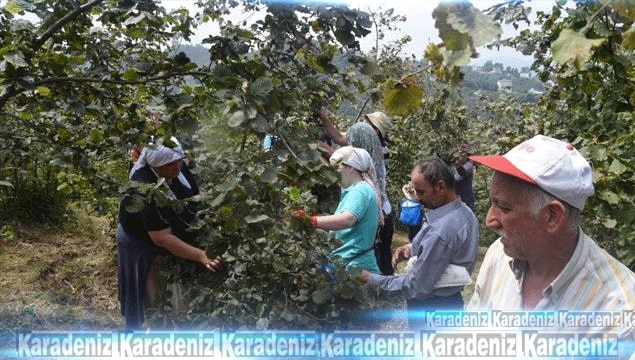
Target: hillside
x,y
476,78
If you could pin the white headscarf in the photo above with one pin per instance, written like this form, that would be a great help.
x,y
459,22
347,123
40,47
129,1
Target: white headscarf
x,y
359,159
158,155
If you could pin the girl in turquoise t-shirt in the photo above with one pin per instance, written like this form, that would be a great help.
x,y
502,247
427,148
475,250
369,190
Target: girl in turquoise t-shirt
x,y
358,214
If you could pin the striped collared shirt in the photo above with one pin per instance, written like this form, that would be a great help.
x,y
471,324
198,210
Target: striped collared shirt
x,y
591,281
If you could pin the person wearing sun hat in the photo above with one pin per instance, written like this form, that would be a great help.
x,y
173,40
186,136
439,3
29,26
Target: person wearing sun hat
x,y
542,259
371,133
381,124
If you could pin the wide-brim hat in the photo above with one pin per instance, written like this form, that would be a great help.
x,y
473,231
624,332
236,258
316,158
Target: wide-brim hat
x,y
381,121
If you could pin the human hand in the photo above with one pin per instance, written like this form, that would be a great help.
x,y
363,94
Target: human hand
x,y
363,276
324,114
216,264
459,161
401,254
409,189
301,214
324,147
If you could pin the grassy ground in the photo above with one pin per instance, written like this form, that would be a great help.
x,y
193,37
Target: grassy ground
x,y
58,279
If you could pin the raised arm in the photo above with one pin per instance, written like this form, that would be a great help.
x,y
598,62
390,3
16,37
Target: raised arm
x,y
331,130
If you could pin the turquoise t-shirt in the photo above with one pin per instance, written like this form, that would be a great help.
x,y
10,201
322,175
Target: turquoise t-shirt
x,y
360,200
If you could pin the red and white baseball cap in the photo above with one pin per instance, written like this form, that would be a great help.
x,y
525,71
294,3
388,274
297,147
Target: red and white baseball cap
x,y
553,165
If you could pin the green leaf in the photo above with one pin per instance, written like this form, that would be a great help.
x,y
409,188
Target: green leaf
x,y
573,47
159,198
216,248
617,167
228,185
452,38
467,19
628,39
433,54
314,63
456,57
6,183
295,193
625,8
319,297
16,58
370,69
347,292
130,75
15,7
43,91
218,200
137,33
133,204
288,315
270,175
260,87
259,124
402,98
254,218
262,324
134,19
237,119
609,196
251,111
331,177
596,152
609,223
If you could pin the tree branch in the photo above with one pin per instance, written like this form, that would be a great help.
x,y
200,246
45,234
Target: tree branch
x,y
589,21
63,21
53,80
12,90
359,113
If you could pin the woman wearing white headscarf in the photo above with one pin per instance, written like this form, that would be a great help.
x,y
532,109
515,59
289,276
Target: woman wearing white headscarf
x,y
356,218
141,236
371,134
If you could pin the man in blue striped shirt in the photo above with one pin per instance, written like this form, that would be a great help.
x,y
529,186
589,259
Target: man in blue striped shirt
x,y
449,236
542,260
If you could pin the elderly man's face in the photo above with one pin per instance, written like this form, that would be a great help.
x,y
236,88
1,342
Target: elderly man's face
x,y
510,215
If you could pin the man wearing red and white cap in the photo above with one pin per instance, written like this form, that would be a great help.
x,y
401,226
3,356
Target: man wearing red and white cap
x,y
543,260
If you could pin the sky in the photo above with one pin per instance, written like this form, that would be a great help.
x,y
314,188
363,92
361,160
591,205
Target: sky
x,y
419,25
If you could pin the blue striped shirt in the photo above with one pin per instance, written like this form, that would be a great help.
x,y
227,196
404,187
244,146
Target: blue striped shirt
x,y
591,281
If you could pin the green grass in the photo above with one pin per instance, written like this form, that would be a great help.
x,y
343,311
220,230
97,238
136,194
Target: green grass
x,y
59,279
